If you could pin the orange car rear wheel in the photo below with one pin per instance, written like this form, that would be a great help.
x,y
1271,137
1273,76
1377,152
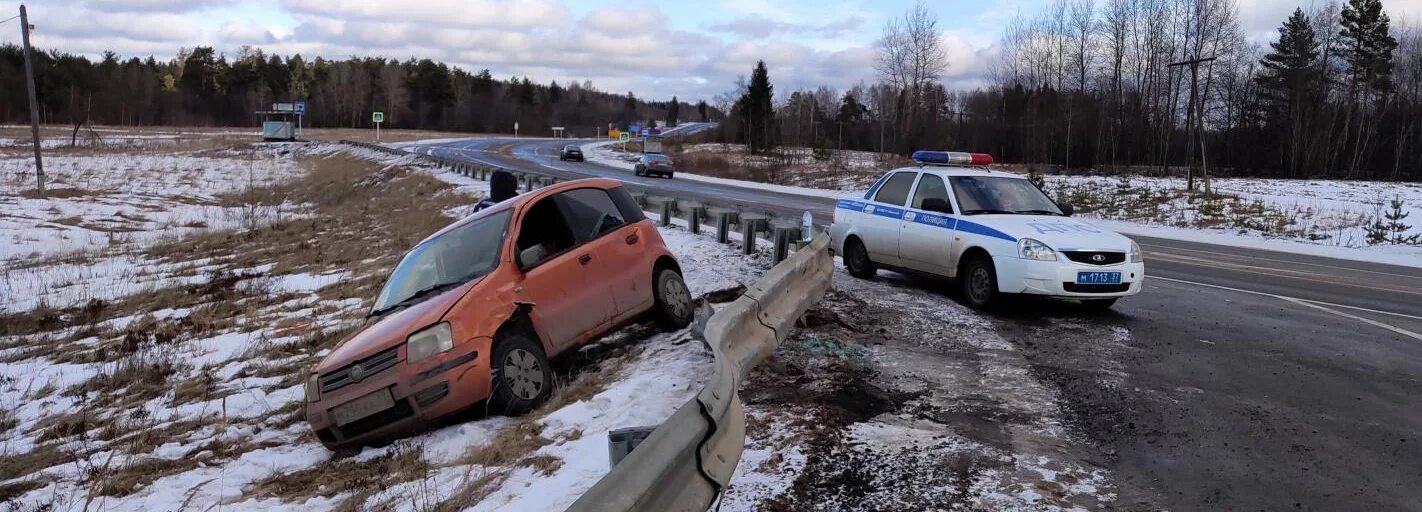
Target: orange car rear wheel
x,y
674,307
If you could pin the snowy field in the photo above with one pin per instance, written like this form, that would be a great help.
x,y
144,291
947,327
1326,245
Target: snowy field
x,y
179,387
1319,217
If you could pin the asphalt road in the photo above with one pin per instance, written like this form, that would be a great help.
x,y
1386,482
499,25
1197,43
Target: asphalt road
x,y
1255,379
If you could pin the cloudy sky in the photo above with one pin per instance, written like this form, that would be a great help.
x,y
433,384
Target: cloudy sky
x,y
694,49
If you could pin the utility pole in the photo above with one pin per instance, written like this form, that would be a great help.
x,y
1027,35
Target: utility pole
x,y
34,103
1190,134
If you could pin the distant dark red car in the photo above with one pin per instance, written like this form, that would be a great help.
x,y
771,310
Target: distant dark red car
x,y
654,164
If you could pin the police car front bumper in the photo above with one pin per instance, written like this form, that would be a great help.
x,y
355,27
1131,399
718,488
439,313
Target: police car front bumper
x,y
1059,278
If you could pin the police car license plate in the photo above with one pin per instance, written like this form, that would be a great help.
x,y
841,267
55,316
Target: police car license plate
x,y
1098,278
362,407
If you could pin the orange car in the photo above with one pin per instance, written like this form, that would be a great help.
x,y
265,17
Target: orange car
x,y
475,311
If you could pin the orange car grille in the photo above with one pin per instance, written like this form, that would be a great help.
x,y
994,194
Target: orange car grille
x,y
360,370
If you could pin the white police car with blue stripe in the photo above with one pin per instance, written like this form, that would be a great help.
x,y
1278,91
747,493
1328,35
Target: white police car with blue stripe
x,y
995,232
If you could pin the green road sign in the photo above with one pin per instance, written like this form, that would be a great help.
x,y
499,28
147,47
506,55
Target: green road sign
x,y
624,136
377,117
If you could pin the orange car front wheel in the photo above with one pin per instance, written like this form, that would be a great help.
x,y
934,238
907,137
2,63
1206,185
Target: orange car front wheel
x,y
520,374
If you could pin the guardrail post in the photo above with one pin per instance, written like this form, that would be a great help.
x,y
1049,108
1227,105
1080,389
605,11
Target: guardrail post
x,y
782,244
527,183
694,223
666,213
748,228
723,227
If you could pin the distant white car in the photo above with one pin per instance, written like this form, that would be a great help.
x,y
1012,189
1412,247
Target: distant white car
x,y
995,232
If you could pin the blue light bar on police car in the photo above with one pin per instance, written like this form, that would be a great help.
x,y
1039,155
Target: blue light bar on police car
x,y
951,158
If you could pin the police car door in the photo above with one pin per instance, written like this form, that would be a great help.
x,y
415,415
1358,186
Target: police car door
x,y
926,238
882,215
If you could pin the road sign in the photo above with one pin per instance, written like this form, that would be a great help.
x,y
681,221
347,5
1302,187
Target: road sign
x,y
283,107
301,107
645,132
634,127
377,117
624,136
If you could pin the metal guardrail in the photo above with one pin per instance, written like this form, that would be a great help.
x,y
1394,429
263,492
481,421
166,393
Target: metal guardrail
x,y
782,233
688,460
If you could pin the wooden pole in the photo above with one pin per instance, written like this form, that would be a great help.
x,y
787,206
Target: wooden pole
x,y
34,102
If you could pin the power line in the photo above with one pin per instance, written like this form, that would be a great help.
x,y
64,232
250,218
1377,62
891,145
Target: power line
x,y
9,19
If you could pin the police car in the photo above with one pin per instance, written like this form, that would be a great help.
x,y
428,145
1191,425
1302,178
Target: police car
x,y
995,232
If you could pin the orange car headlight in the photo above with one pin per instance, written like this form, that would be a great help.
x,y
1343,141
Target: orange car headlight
x,y
433,340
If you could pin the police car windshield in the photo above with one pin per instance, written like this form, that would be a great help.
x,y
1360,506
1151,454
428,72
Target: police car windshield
x,y
1001,195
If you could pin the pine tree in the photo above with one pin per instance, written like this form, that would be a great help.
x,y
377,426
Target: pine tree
x,y
672,111
1290,84
757,112
1397,231
701,109
1367,44
850,110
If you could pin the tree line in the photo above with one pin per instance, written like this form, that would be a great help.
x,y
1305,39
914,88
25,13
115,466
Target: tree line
x,y
201,87
1088,85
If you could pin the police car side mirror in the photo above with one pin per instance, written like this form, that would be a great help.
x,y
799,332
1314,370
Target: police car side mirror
x,y
935,204
1067,209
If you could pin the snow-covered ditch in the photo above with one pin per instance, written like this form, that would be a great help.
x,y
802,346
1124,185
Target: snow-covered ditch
x,y
231,445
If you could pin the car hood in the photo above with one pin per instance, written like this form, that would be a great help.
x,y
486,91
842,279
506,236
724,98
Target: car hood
x,y
1060,233
393,328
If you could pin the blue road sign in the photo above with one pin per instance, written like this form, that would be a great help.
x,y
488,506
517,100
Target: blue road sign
x,y
634,128
645,132
301,107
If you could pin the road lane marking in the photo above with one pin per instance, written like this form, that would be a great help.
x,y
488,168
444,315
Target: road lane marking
x,y
1316,305
1149,245
1273,273
1180,258
1368,321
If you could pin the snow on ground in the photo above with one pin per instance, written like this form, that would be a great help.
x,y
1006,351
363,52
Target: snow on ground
x,y
102,209
602,153
216,449
1317,217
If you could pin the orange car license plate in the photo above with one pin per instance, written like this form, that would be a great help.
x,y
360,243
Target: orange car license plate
x,y
362,407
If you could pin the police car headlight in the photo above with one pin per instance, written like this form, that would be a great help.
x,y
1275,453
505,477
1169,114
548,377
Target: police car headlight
x,y
1136,256
1029,249
428,342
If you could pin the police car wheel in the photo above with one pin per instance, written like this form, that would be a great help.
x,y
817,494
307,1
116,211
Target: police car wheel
x,y
856,259
979,282
1099,304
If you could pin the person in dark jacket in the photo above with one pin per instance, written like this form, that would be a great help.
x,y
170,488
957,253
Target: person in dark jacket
x,y
502,185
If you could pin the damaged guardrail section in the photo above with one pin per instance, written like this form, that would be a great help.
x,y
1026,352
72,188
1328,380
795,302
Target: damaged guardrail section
x,y
688,460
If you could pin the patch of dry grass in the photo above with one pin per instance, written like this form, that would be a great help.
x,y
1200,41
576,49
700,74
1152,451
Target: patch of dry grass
x,y
346,475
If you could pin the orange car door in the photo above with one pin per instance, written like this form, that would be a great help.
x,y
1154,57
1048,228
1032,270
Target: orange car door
x,y
568,300
616,247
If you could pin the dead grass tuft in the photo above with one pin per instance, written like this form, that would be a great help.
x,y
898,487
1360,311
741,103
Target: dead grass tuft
x,y
346,475
511,447
40,457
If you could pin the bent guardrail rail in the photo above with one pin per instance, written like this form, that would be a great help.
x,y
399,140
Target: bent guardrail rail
x,y
688,460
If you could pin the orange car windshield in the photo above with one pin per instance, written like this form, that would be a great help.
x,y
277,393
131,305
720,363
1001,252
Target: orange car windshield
x,y
450,259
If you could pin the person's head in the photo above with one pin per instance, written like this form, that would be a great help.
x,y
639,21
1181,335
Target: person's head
x,y
502,185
